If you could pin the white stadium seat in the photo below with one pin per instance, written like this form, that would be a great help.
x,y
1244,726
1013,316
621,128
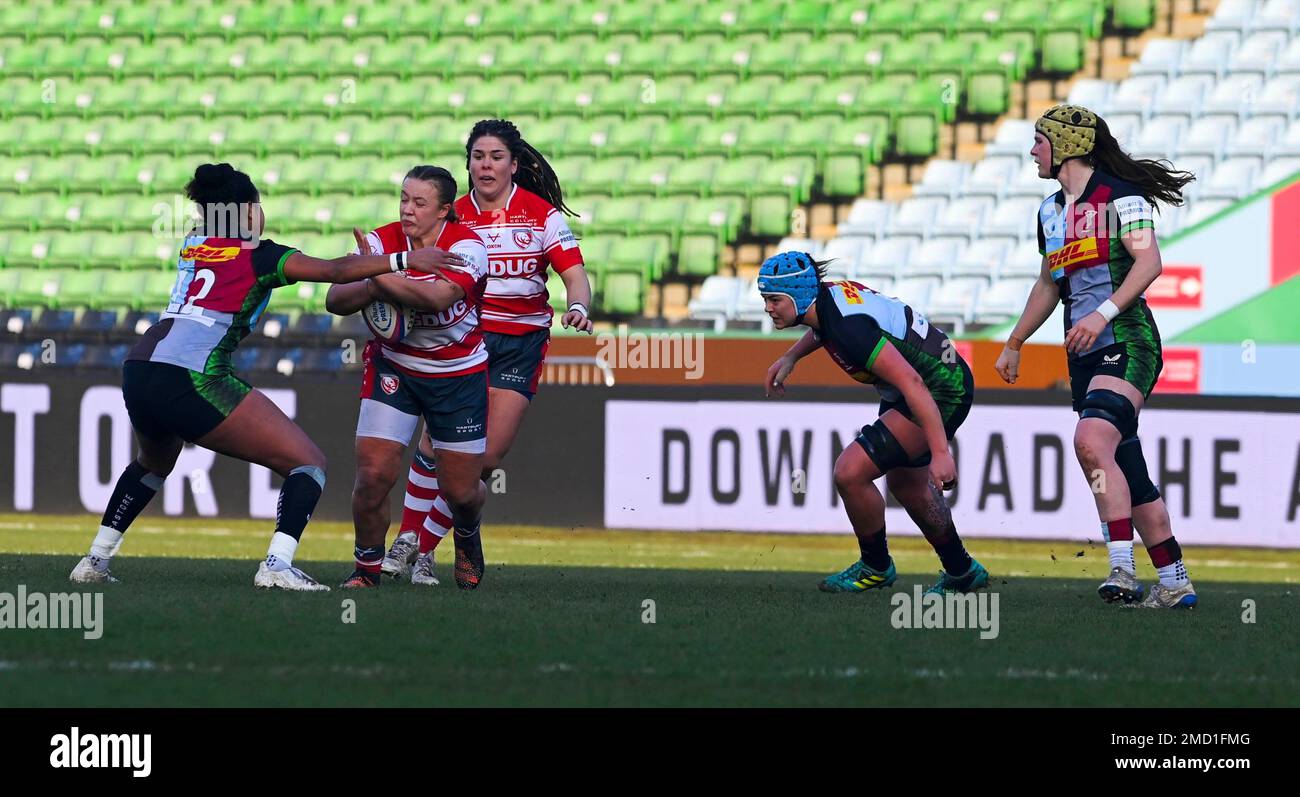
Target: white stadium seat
x,y
1024,261
934,258
1092,94
982,258
1159,57
1015,218
844,254
867,217
916,292
1258,53
1209,55
1278,15
1288,61
1184,96
1233,179
1014,137
1277,171
1159,137
1136,95
716,300
942,178
963,217
1004,300
1280,97
915,216
1233,15
1255,137
792,244
991,176
1207,136
953,304
886,258
1234,95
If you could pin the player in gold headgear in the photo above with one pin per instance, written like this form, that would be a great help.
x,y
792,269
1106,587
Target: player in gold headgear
x,y
1097,238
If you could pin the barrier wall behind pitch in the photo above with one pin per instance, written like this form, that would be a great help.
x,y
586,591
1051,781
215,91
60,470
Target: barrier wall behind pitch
x,y
715,458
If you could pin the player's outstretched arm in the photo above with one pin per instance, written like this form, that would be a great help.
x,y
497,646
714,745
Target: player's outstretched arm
x,y
779,371
890,366
1043,298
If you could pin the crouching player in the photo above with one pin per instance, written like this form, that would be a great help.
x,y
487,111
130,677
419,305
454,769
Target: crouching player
x,y
438,370
926,392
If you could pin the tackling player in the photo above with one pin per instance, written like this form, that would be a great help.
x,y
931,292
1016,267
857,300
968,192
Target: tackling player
x,y
926,391
515,204
438,370
179,384
1097,238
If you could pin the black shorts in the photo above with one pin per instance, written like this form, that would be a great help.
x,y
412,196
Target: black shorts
x,y
953,411
515,362
1135,363
454,408
165,400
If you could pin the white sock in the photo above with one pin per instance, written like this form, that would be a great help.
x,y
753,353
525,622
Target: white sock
x,y
279,556
106,543
1173,576
1121,555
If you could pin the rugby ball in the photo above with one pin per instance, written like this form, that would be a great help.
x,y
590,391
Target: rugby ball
x,y
389,322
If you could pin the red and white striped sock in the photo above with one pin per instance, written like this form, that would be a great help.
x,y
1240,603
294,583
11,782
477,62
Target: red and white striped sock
x,y
436,525
421,492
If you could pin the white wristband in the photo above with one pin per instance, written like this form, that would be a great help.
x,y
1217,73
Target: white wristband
x,y
580,307
397,261
1108,310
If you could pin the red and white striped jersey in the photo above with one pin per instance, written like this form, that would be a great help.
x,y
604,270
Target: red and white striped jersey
x,y
449,343
522,239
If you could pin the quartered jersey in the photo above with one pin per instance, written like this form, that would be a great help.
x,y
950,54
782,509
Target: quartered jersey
x,y
1088,260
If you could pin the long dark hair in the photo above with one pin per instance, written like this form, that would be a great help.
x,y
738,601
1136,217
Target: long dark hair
x,y
1158,179
534,173
441,180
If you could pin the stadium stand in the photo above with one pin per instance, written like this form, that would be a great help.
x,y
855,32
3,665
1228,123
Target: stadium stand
x,y
682,131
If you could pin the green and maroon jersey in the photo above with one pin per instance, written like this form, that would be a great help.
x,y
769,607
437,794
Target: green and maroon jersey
x,y
1088,260
223,286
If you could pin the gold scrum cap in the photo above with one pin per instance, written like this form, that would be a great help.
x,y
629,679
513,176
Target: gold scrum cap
x,y
1072,129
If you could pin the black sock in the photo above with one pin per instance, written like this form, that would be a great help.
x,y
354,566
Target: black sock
x,y
298,497
956,562
875,550
135,488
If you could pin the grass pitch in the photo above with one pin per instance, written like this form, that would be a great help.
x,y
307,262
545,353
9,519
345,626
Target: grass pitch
x,y
560,621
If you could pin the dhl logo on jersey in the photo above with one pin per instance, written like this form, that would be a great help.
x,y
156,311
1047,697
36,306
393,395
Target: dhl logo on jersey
x,y
851,294
1077,253
210,254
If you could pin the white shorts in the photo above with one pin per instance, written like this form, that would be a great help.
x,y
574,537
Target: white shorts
x,y
389,423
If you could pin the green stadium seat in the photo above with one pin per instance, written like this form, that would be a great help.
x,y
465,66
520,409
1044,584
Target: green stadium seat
x,y
804,15
1063,52
766,137
54,20
157,289
40,288
696,176
698,256
605,176
916,135
618,215
120,288
792,96
892,15
1133,16
22,212
9,281
632,137
1084,16
988,94
135,20
649,253
80,289
650,176
622,291
822,57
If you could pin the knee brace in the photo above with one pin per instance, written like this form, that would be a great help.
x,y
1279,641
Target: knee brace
x,y
1110,406
881,445
1134,467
